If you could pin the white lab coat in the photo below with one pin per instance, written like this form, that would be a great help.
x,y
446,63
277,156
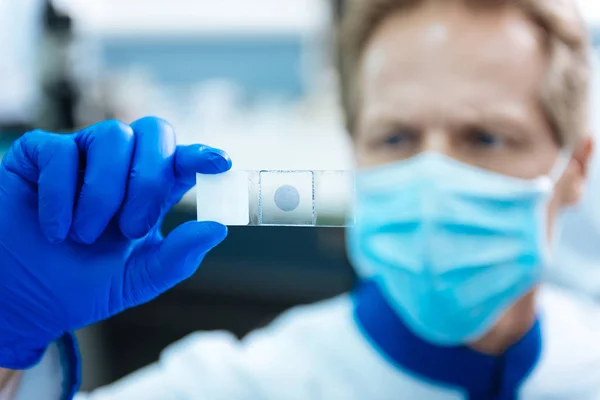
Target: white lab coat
x,y
323,352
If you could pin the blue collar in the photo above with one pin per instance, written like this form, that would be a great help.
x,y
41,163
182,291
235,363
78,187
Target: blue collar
x,y
481,376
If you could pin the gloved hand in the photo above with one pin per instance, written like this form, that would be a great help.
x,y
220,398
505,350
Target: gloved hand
x,y
79,228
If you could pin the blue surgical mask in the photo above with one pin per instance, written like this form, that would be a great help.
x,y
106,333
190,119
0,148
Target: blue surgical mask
x,y
452,246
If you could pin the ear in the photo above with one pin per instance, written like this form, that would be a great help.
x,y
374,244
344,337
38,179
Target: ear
x,y
577,172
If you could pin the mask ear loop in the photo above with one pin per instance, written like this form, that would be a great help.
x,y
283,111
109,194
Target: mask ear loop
x,y
548,181
561,164
550,246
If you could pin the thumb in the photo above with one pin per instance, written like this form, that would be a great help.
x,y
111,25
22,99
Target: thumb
x,y
170,261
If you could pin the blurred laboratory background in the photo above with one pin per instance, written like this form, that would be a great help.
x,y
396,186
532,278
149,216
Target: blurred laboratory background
x,y
255,78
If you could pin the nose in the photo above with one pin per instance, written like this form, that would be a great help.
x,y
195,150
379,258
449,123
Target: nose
x,y
436,140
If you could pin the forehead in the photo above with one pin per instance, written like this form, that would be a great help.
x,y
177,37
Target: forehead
x,y
447,51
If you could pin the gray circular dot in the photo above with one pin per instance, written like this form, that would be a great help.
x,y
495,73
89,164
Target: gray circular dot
x,y
287,198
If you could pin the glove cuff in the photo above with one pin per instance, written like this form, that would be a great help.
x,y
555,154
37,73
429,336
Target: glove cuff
x,y
19,358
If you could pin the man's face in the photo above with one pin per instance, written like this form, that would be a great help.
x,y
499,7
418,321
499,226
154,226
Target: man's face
x,y
464,82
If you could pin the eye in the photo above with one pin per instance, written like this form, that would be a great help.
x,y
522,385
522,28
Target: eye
x,y
483,138
397,138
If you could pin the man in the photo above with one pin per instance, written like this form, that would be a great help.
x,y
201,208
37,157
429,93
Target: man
x,y
469,121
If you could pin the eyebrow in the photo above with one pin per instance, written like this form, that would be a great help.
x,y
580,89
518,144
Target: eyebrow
x,y
388,118
507,120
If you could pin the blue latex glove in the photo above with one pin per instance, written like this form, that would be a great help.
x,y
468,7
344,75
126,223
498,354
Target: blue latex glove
x,y
79,228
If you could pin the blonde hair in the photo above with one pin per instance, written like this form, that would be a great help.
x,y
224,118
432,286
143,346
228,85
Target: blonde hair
x,y
565,92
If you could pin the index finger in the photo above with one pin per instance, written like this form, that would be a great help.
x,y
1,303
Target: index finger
x,y
199,159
